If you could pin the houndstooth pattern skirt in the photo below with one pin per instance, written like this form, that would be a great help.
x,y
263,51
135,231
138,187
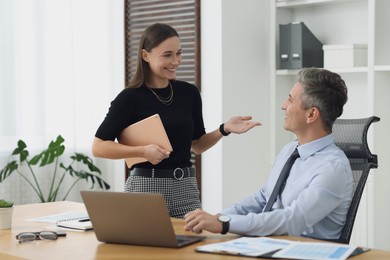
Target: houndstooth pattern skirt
x,y
181,196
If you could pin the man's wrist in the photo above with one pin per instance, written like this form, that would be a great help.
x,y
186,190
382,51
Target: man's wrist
x,y
222,130
225,221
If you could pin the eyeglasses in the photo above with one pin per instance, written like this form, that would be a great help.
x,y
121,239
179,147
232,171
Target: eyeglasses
x,y
31,236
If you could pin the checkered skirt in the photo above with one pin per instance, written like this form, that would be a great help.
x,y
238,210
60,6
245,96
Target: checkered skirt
x,y
181,196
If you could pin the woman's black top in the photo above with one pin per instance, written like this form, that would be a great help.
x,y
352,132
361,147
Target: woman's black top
x,y
183,120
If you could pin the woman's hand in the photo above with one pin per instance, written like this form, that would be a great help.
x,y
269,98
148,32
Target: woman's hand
x,y
236,124
240,124
155,154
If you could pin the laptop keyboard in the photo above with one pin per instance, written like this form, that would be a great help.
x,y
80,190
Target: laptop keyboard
x,y
185,239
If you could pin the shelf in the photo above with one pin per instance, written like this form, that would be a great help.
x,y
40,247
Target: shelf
x,y
382,68
286,72
299,3
349,70
336,70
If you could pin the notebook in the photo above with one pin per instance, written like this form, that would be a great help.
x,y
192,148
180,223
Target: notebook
x,y
133,218
77,224
147,131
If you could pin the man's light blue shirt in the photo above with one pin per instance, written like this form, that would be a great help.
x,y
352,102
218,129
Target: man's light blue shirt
x,y
314,202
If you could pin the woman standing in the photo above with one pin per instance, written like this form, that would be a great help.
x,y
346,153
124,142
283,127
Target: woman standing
x,y
154,90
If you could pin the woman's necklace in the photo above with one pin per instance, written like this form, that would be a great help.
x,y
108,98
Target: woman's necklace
x,y
165,100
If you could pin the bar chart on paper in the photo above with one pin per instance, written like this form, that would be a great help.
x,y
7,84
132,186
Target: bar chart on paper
x,y
316,251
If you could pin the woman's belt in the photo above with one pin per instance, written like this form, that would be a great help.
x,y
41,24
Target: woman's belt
x,y
178,173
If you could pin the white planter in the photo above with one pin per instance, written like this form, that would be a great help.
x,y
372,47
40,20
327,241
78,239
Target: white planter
x,y
6,218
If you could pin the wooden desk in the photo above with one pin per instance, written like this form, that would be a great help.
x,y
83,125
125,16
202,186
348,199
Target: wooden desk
x,y
84,245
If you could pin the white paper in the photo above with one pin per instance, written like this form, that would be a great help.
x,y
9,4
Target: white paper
x,y
258,246
57,228
73,215
248,246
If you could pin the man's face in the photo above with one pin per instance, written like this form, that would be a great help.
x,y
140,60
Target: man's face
x,y
295,117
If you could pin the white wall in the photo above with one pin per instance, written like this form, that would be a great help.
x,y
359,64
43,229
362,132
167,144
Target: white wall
x,y
211,64
235,81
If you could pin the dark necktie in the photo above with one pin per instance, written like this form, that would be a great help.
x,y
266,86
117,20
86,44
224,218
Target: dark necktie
x,y
281,180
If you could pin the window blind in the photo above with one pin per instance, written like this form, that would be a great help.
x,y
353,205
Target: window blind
x,y
181,15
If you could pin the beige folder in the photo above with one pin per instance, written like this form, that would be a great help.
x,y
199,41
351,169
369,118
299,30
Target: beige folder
x,y
147,131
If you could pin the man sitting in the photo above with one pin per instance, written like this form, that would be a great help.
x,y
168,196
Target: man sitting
x,y
315,198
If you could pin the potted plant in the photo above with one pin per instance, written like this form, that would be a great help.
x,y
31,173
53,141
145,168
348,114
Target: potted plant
x,y
89,172
6,209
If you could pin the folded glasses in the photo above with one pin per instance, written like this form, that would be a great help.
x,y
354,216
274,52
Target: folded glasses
x,y
31,236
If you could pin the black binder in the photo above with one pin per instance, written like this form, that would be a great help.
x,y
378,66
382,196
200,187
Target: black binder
x,y
284,46
298,47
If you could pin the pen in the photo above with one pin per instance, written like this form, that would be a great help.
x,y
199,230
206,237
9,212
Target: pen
x,y
84,220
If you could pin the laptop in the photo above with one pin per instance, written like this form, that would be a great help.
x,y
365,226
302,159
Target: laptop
x,y
147,131
133,218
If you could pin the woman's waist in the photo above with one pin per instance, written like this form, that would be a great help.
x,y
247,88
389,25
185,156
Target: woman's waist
x,y
177,173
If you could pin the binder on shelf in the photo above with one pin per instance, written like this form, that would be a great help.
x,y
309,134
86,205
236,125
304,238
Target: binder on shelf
x,y
303,49
284,46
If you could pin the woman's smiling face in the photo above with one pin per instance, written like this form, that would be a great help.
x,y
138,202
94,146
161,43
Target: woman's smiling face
x,y
163,61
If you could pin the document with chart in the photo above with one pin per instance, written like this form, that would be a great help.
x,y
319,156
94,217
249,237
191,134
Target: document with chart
x,y
279,248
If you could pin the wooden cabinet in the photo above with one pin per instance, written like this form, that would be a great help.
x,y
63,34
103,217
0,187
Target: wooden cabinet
x,y
346,22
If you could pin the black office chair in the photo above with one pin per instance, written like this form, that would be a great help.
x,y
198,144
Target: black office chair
x,y
351,137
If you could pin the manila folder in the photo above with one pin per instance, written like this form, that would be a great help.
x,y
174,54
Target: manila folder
x,y
147,131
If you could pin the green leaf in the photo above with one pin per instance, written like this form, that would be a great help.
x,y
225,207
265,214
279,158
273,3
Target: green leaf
x,y
35,159
87,161
54,150
21,150
87,176
21,146
8,170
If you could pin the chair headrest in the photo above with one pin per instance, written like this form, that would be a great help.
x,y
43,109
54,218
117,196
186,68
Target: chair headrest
x,y
351,136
